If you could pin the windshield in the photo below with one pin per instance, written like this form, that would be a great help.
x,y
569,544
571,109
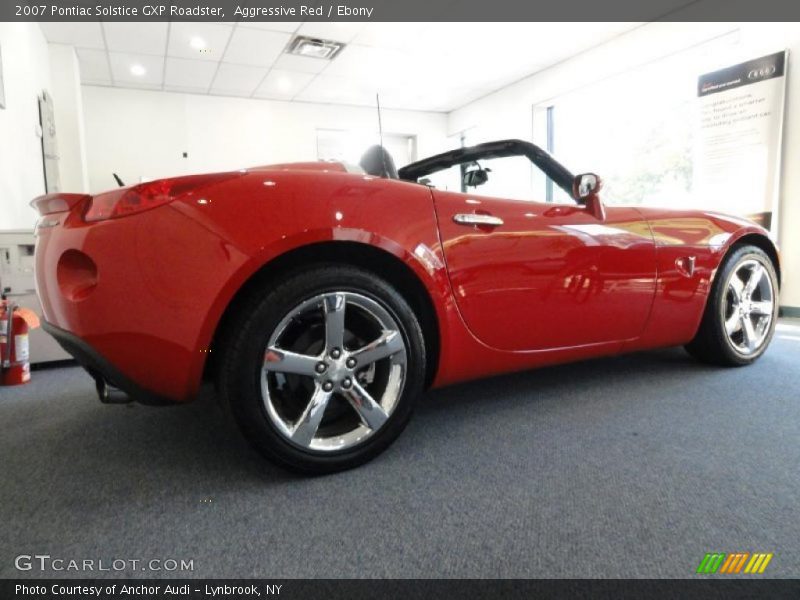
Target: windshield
x,y
481,154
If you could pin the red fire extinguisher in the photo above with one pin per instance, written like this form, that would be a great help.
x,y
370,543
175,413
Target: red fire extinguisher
x,y
15,325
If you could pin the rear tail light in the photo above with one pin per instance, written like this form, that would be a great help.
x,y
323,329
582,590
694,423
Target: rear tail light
x,y
142,197
128,201
57,203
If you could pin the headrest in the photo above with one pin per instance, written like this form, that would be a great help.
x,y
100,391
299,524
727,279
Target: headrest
x,y
378,162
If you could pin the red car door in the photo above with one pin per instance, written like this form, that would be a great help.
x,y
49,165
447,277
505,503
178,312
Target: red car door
x,y
546,275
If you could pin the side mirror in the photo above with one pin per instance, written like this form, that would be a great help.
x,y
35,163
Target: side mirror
x,y
476,177
585,185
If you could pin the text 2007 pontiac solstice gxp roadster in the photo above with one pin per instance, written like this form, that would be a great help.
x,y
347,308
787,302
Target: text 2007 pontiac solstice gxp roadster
x,y
323,298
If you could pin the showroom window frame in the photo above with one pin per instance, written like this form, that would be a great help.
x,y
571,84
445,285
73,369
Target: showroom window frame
x,y
544,116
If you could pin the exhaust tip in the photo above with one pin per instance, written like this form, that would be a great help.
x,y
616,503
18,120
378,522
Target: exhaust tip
x,y
108,394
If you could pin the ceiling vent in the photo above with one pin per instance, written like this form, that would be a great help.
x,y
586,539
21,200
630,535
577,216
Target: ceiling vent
x,y
314,47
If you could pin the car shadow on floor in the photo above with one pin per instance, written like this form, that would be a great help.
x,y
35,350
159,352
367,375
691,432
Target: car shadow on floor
x,y
549,382
198,441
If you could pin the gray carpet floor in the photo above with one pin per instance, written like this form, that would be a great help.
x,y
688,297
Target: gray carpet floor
x,y
632,466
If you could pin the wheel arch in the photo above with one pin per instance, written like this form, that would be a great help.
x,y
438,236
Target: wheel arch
x,y
706,345
761,242
359,254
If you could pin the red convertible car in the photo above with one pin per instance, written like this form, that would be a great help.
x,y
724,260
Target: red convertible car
x,y
323,298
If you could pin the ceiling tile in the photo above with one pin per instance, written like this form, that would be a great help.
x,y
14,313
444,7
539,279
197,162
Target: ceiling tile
x,y
379,65
255,47
139,38
189,74
139,86
93,66
338,31
292,62
83,35
121,68
329,89
436,67
283,85
237,79
392,35
213,36
284,26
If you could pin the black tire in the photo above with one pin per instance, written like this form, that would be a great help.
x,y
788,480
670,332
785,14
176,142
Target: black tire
x,y
712,344
242,349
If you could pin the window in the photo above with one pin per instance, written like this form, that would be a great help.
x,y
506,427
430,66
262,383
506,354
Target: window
x,y
635,130
508,178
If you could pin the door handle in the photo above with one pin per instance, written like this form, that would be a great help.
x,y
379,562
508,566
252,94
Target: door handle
x,y
473,219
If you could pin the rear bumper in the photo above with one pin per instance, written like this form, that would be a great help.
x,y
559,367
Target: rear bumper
x,y
96,365
137,298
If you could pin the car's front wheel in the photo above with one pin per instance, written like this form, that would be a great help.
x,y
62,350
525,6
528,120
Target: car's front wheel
x,y
739,319
321,371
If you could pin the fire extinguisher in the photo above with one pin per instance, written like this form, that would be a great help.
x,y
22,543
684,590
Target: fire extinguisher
x,y
15,324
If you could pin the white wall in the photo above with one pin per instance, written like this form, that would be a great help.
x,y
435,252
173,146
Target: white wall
x,y
508,112
137,133
26,72
68,104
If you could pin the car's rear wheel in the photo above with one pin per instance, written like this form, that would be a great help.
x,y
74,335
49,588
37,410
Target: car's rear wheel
x,y
739,319
322,370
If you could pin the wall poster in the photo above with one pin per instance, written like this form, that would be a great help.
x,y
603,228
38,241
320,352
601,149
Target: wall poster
x,y
738,146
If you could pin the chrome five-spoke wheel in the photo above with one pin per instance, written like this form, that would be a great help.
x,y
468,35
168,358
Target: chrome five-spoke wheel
x,y
749,306
322,367
334,369
742,306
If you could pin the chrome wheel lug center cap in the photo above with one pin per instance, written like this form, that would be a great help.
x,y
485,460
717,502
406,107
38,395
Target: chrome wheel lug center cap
x,y
337,370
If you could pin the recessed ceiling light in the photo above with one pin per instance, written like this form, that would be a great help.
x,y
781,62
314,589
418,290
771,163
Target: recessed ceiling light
x,y
197,43
138,70
284,84
314,47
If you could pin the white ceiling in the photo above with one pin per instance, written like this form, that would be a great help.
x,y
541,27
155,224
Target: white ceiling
x,y
419,66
